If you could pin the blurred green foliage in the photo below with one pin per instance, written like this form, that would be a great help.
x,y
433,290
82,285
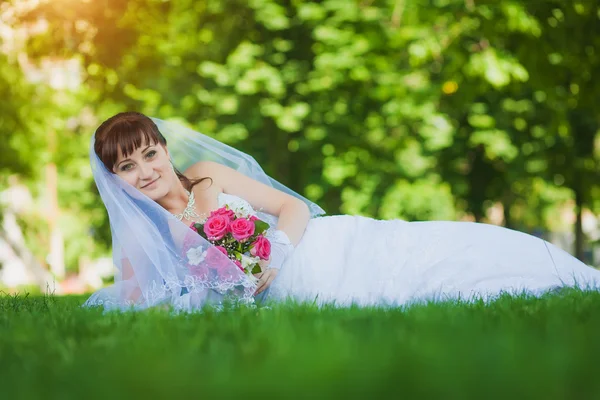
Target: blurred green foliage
x,y
413,109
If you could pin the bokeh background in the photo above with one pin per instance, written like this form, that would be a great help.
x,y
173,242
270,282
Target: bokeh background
x,y
414,109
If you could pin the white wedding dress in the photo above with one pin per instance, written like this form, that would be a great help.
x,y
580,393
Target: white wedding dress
x,y
348,260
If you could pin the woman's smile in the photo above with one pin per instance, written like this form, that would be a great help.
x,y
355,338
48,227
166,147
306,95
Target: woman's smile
x,y
151,184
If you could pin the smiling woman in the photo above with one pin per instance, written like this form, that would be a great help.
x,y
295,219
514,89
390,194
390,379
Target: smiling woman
x,y
147,197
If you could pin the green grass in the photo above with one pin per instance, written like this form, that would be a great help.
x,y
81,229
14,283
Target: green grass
x,y
515,347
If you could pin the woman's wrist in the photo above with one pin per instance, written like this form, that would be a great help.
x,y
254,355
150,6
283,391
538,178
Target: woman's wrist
x,y
281,248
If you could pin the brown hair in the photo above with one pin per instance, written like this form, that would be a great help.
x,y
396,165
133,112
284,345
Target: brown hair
x,y
125,132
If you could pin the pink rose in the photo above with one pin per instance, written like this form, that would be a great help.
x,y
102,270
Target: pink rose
x,y
261,248
253,218
221,249
216,259
239,264
226,268
201,271
216,227
193,227
242,229
224,212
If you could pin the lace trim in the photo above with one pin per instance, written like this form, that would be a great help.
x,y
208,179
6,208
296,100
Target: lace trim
x,y
172,286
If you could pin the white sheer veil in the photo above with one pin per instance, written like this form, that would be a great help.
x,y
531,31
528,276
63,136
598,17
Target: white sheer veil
x,y
151,247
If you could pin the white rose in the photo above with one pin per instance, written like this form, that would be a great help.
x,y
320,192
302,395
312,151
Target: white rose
x,y
196,255
242,211
248,261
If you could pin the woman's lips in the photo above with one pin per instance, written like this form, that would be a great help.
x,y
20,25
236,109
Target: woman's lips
x,y
151,183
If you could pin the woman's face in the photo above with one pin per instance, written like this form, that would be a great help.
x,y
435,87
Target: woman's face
x,y
148,169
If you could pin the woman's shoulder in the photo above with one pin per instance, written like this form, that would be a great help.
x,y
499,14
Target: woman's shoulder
x,y
201,169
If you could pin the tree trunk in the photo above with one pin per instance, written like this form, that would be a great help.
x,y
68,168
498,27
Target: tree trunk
x,y
508,223
508,199
579,238
56,257
40,276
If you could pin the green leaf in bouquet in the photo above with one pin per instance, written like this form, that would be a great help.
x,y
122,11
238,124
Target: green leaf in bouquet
x,y
256,269
260,226
229,239
200,230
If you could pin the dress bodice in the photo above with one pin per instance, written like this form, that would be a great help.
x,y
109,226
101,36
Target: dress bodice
x,y
235,203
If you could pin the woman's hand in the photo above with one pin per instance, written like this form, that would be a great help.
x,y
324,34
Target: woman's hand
x,y
265,277
264,264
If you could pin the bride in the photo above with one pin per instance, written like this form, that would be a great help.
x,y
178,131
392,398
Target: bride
x,y
342,259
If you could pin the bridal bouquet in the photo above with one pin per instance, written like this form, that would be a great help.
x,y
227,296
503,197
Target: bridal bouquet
x,y
237,234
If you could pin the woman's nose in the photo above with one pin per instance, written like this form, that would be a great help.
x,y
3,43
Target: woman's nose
x,y
145,171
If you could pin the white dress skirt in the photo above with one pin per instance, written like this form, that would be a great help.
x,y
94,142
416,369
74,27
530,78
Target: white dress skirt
x,y
349,260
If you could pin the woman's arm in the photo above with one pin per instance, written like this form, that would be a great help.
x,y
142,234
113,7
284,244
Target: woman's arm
x,y
132,288
293,219
293,213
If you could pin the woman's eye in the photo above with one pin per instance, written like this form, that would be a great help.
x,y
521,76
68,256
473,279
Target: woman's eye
x,y
150,153
126,167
